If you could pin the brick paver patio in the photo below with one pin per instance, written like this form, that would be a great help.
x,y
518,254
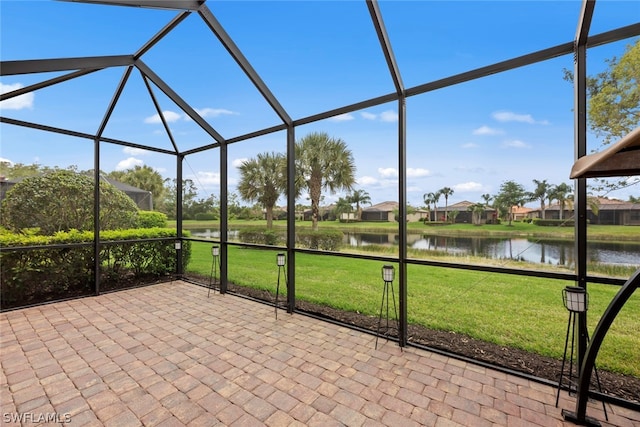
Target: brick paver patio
x,y
167,355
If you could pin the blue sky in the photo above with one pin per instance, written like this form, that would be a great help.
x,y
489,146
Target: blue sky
x,y
315,56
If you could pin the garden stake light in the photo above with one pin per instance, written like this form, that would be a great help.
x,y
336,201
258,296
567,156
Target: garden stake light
x,y
215,252
576,301
388,275
281,261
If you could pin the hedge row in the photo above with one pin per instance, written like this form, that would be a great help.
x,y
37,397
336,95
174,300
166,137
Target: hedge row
x,y
553,222
328,240
37,275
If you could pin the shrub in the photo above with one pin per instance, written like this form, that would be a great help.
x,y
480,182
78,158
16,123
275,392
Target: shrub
x,y
62,265
328,240
554,222
149,219
206,216
261,236
63,200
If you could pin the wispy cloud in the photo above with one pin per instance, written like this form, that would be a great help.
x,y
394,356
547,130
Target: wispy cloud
x,y
417,172
214,112
486,130
467,187
469,145
18,102
342,118
128,163
135,151
169,116
509,116
515,143
388,172
388,116
208,178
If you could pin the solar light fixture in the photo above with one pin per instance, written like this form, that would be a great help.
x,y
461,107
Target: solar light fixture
x,y
575,299
281,260
388,274
215,252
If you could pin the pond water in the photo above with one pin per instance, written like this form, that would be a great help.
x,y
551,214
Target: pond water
x,y
530,250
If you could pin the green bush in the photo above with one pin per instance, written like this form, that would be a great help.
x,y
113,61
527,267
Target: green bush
x,y
206,216
261,236
328,240
150,219
553,222
34,268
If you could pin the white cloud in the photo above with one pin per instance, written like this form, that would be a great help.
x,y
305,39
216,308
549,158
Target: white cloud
x,y
515,143
214,112
3,160
388,116
209,178
486,130
509,116
388,172
17,102
417,172
238,162
342,118
169,116
367,180
469,145
135,151
128,163
466,187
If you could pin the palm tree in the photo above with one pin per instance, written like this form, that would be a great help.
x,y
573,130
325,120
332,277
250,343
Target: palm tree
x,y
561,193
446,192
263,180
428,199
541,193
325,163
435,196
359,197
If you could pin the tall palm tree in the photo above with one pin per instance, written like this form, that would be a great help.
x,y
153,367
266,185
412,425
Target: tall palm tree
x,y
561,193
541,193
325,163
359,197
435,196
446,192
428,199
263,180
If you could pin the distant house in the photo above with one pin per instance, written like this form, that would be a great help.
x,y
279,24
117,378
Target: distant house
x,y
464,215
521,212
386,212
142,198
610,212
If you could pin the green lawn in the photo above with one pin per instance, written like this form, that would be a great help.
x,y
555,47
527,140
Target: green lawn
x,y
516,311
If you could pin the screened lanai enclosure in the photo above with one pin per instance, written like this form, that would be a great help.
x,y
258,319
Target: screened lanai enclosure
x,y
438,108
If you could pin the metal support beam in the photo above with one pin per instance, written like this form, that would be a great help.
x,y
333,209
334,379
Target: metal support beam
x,y
166,89
224,217
179,191
12,68
402,197
150,4
46,83
580,148
156,104
383,37
291,219
244,64
96,216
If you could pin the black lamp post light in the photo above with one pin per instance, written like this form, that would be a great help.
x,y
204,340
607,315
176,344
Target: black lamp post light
x,y
576,301
215,252
388,275
281,261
